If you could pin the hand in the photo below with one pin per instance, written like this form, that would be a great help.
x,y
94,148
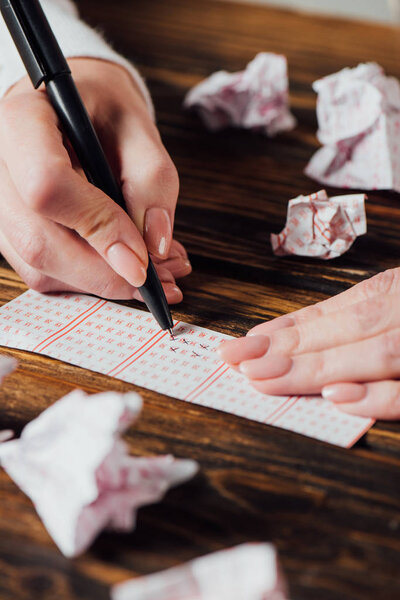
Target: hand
x,y
346,347
57,230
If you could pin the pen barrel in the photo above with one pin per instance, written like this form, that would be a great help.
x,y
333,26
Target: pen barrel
x,y
34,39
79,129
154,297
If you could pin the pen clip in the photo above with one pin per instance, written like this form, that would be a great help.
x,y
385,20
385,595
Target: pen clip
x,y
34,39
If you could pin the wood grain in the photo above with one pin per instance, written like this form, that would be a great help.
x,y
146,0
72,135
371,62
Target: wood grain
x,y
333,514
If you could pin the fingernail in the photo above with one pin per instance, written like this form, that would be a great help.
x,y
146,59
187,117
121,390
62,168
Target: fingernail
x,y
157,231
241,349
180,270
173,293
271,326
266,367
179,262
344,392
127,264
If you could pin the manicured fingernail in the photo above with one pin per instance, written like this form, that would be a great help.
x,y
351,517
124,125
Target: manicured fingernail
x,y
271,326
172,293
182,267
344,392
157,231
246,348
127,264
266,367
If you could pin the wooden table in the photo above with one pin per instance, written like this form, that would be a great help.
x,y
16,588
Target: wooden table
x,y
333,513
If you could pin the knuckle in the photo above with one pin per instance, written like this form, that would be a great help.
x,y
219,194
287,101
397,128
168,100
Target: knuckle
x,y
166,176
287,340
162,174
382,283
104,224
369,314
308,313
390,347
33,249
321,366
42,186
36,281
297,339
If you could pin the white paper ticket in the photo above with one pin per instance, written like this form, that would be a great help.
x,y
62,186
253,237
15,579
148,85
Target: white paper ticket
x,y
127,343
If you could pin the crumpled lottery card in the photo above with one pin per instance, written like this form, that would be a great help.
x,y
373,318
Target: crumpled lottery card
x,y
246,572
321,227
7,365
5,435
73,465
256,98
358,114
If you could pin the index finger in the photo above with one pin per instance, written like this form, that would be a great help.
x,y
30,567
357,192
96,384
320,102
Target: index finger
x,y
358,321
41,170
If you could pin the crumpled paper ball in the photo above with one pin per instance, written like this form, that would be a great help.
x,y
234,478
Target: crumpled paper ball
x,y
73,465
5,435
245,572
256,98
358,114
321,227
7,365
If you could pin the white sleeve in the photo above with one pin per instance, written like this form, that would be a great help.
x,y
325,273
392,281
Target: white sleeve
x,y
75,38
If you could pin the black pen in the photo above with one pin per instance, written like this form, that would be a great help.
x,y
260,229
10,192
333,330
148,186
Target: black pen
x,y
45,63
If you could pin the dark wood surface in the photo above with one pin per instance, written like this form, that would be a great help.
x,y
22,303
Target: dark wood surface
x,y
333,513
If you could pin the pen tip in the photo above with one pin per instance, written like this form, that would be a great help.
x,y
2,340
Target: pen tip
x,y
171,334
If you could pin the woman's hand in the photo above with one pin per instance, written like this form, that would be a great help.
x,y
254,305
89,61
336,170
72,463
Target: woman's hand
x,y
347,348
57,230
